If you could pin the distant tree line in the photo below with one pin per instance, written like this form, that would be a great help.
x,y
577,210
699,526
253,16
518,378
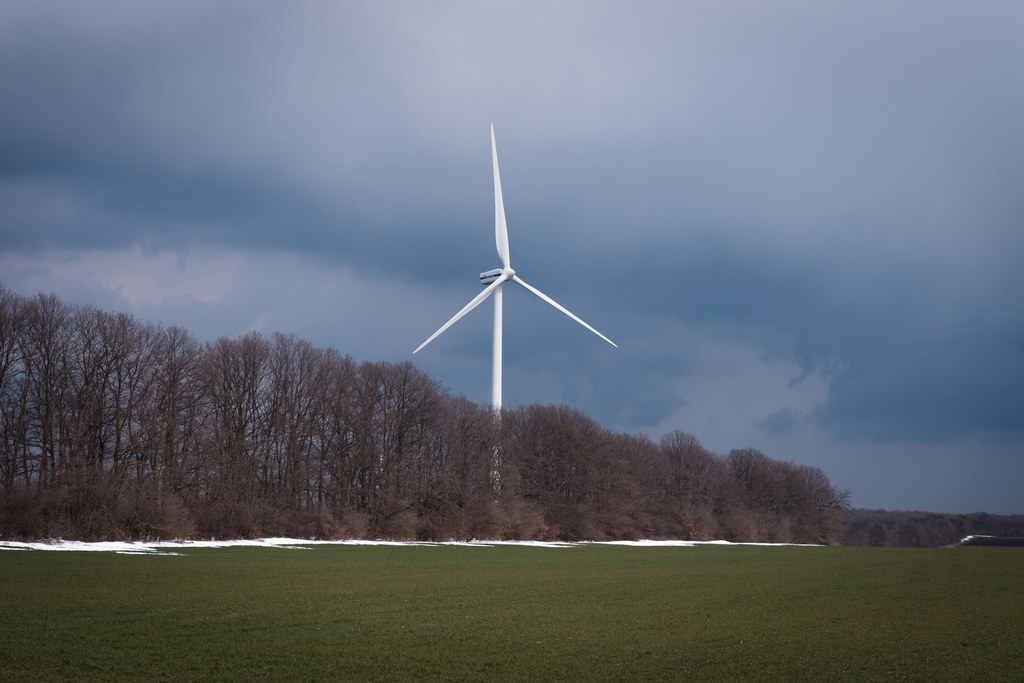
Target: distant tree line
x,y
113,428
928,529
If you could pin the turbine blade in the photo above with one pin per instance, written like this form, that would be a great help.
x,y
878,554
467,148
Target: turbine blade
x,y
519,281
465,309
500,228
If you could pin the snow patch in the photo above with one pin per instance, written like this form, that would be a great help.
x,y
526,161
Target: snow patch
x,y
167,547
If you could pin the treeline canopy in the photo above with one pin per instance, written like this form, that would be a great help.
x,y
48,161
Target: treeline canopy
x,y
113,428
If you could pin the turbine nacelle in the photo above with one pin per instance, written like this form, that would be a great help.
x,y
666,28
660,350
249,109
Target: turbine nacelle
x,y
489,276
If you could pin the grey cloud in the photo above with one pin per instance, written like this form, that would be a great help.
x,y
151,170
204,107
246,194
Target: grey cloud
x,y
780,422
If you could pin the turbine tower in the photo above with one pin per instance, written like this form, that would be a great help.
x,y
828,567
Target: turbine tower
x,y
493,281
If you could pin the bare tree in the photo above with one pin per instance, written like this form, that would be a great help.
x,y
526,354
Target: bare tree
x,y
13,388
234,377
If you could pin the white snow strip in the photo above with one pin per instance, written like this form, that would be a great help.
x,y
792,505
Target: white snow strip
x,y
101,546
530,544
968,539
165,547
651,544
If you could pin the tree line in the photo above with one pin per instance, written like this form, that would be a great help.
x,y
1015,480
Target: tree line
x,y
928,529
114,428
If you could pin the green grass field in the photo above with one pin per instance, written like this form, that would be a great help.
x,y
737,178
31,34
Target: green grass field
x,y
590,612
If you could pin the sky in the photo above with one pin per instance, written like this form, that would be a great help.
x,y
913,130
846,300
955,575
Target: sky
x,y
801,222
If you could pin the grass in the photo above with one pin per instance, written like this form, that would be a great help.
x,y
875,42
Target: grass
x,y
514,613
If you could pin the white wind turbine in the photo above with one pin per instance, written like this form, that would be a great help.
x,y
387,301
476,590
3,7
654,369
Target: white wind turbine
x,y
494,279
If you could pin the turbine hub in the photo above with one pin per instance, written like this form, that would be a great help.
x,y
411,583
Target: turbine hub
x,y
509,273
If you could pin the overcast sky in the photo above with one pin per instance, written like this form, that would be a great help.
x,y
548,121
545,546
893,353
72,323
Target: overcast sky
x,y
802,222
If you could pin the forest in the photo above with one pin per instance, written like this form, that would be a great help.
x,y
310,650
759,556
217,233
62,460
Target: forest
x,y
117,429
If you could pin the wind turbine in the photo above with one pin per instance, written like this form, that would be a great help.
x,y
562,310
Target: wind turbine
x,y
493,281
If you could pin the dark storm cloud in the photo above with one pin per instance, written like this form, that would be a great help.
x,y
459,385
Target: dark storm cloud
x,y
824,197
203,115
